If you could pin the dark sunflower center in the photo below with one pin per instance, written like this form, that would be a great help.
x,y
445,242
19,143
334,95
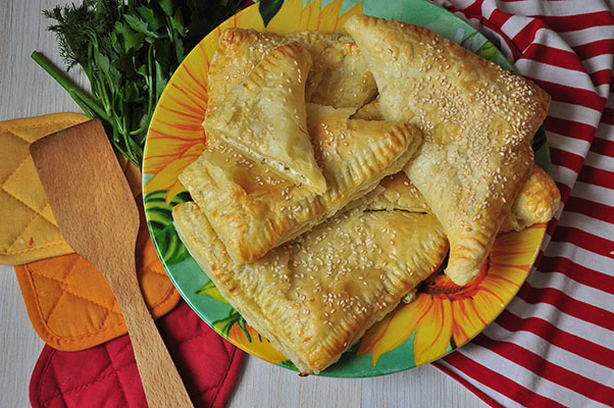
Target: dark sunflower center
x,y
438,284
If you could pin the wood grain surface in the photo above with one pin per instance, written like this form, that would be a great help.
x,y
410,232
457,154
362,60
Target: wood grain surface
x,y
26,90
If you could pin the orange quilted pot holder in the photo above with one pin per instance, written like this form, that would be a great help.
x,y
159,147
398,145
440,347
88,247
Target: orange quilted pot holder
x,y
69,303
72,307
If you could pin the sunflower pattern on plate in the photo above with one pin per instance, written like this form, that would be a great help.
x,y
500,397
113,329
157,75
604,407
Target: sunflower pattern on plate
x,y
234,328
443,316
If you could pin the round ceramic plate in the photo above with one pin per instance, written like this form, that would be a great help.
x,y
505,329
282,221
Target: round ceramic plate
x,y
443,317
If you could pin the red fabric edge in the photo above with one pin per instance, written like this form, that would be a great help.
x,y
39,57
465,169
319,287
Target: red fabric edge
x,y
476,391
224,388
228,383
36,379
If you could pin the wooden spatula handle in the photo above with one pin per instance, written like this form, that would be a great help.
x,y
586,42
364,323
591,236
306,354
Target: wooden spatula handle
x,y
92,202
161,381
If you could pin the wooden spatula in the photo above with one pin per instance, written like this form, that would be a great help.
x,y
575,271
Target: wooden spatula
x,y
98,217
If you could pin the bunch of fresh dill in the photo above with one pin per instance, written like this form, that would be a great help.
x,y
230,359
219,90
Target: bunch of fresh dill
x,y
128,49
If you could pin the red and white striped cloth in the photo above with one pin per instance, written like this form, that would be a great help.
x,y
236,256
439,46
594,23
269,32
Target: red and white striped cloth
x,y
554,345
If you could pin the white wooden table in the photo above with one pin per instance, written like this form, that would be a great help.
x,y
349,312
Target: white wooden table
x,y
26,90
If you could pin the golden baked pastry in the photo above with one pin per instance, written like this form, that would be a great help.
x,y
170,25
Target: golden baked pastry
x,y
537,202
252,210
399,193
264,116
478,121
339,76
316,296
369,111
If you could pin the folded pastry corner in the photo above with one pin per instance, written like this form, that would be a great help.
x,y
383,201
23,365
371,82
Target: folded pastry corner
x,y
478,121
253,210
314,297
264,116
537,202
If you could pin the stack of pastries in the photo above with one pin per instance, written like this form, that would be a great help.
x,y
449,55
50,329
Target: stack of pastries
x,y
340,170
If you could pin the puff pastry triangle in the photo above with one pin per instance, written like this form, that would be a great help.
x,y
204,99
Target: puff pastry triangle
x,y
478,121
316,296
264,117
253,210
339,77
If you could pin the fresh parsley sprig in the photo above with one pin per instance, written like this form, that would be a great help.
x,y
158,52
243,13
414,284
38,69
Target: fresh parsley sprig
x,y
128,50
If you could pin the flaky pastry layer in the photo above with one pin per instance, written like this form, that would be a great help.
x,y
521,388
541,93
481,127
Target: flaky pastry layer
x,y
253,210
316,296
478,121
339,76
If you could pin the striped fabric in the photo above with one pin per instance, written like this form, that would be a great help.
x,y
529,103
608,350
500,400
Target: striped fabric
x,y
554,345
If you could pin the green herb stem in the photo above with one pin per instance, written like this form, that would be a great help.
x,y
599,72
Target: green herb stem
x,y
80,97
86,109
128,50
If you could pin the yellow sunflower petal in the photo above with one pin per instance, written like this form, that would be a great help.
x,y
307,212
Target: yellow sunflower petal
x,y
402,324
434,333
310,15
209,47
199,63
249,17
163,180
518,248
487,305
374,335
258,346
166,148
513,274
467,322
502,286
329,16
356,9
520,260
166,177
288,12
